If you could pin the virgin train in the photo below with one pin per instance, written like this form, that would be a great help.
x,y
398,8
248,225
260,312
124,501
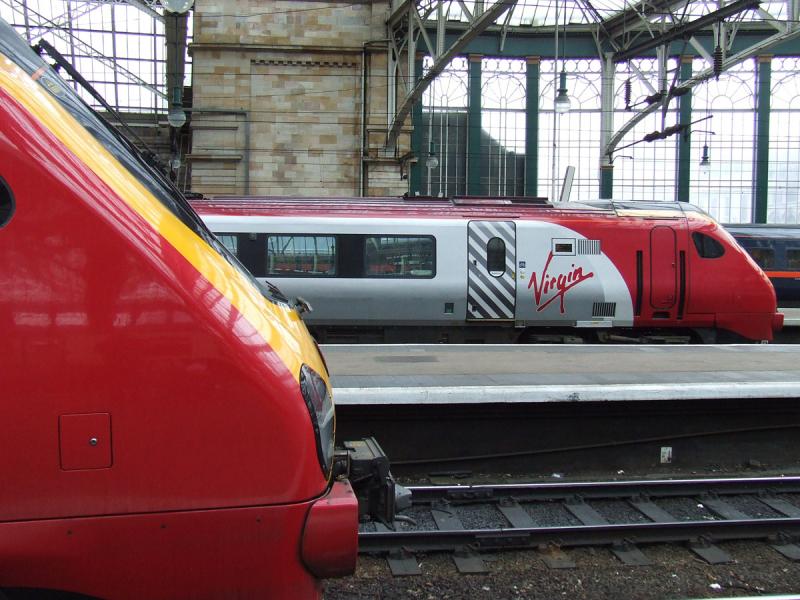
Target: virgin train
x,y
167,420
776,249
500,269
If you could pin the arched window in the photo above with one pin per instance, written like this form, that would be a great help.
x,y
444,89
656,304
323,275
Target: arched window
x,y
496,257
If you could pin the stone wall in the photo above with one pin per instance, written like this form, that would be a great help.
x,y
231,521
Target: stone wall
x,y
277,99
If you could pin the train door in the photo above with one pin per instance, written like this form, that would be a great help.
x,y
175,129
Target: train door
x,y
491,280
663,268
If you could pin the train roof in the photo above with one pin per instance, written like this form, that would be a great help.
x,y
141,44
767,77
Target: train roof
x,y
425,206
761,230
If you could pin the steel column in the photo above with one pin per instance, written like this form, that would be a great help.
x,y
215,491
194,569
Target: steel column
x,y
685,139
607,126
475,162
761,175
532,125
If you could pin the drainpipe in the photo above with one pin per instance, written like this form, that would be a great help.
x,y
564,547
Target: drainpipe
x,y
364,78
362,163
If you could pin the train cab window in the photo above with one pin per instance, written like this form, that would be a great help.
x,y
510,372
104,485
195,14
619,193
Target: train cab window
x,y
793,258
230,241
764,257
399,256
496,257
707,247
6,203
301,255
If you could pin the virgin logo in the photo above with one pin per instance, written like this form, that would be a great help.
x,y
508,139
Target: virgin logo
x,y
558,285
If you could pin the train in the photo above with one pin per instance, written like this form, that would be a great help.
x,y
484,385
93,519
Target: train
x,y
498,270
168,420
776,249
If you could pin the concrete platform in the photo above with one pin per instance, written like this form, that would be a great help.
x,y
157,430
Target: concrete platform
x,y
385,375
791,317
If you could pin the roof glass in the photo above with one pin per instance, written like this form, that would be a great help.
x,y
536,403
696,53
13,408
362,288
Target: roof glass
x,y
119,48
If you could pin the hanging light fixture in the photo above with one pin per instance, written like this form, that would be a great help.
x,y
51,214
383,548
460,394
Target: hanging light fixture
x,y
563,103
705,163
432,161
177,6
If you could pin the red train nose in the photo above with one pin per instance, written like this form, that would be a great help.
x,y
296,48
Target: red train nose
x,y
777,322
330,536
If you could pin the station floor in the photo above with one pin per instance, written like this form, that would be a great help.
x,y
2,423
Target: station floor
x,y
442,374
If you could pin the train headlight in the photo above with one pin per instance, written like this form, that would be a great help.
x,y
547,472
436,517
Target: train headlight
x,y
320,407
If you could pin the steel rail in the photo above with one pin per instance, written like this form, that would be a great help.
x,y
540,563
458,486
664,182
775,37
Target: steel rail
x,y
580,535
663,527
607,489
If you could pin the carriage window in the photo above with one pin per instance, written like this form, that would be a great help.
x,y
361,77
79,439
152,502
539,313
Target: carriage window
x,y
301,255
230,241
496,257
764,257
707,247
399,256
793,258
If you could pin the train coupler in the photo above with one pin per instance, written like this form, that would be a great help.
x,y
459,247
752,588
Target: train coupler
x,y
366,465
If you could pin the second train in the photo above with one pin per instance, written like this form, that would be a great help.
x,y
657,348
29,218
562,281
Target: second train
x,y
494,270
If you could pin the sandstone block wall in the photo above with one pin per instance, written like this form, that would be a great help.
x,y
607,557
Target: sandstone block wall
x,y
277,99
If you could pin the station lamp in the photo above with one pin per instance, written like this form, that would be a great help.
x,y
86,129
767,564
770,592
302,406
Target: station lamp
x,y
562,100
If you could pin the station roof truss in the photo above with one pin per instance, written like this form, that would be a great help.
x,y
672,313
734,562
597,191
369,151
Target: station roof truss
x,y
80,30
616,31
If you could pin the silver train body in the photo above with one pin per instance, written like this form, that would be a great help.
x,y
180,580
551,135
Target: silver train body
x,y
394,270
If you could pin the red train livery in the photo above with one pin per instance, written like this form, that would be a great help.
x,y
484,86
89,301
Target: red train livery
x,y
168,422
501,269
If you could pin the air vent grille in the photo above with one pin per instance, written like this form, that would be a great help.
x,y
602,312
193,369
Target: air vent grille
x,y
604,309
588,246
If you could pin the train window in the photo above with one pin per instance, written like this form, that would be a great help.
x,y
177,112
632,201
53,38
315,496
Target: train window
x,y
6,203
707,247
496,257
764,257
230,241
793,258
399,256
301,255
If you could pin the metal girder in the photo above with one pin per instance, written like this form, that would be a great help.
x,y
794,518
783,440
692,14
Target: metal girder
x,y
79,9
756,49
481,19
64,32
685,30
146,7
619,24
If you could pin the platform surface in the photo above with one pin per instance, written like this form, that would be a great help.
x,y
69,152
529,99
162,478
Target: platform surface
x,y
791,317
439,374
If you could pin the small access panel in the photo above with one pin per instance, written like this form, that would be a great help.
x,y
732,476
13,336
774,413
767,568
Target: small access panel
x,y
85,441
491,280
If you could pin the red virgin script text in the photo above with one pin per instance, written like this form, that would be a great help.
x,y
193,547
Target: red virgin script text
x,y
560,284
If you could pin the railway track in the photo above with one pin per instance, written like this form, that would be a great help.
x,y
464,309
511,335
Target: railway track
x,y
472,520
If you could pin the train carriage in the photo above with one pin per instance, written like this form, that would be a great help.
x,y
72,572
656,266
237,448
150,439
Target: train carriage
x,y
776,249
495,269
